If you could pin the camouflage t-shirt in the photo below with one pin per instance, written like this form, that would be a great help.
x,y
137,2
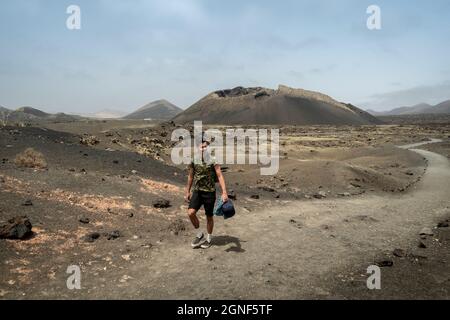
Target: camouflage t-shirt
x,y
204,177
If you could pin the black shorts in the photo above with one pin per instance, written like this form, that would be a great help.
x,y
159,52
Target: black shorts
x,y
207,199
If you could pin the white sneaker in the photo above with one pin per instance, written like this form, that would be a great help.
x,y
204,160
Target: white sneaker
x,y
206,244
198,241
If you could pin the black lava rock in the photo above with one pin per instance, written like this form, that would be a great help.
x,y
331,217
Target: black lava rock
x,y
84,220
161,203
91,237
385,263
113,235
16,228
27,203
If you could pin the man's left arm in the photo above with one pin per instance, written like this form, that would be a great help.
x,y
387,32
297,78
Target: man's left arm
x,y
221,182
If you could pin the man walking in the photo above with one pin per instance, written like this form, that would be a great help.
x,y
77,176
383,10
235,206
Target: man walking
x,y
203,177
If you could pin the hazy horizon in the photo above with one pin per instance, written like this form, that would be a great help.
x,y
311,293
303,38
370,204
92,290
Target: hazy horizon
x,y
129,54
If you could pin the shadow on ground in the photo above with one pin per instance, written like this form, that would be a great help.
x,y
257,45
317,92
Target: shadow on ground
x,y
225,240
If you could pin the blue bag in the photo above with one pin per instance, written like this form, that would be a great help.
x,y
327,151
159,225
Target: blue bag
x,y
225,210
228,209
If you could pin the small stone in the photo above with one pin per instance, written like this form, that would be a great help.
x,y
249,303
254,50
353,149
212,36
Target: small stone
x,y
147,245
443,224
27,203
254,196
385,263
400,253
426,232
320,195
161,203
267,189
91,237
84,220
344,194
422,245
125,278
113,235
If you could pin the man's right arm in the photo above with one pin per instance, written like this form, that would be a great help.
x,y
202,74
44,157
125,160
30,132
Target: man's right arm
x,y
187,195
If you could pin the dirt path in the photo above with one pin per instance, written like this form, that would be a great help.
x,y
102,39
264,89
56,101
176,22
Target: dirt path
x,y
286,252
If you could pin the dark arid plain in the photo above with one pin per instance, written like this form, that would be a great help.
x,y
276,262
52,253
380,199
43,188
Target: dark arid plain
x,y
109,199
330,121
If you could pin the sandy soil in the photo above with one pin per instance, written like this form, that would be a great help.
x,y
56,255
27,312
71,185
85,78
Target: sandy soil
x,y
287,244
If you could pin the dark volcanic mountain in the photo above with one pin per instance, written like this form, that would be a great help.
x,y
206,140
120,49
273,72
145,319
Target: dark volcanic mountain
x,y
247,106
156,110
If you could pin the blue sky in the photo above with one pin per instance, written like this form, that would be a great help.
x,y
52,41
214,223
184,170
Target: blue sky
x,y
129,53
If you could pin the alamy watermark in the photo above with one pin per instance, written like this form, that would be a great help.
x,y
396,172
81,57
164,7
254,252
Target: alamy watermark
x,y
73,22
374,280
74,280
374,20
228,146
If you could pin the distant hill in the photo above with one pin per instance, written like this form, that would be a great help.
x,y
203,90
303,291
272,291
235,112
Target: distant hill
x,y
247,106
443,107
29,114
156,110
33,112
4,115
422,108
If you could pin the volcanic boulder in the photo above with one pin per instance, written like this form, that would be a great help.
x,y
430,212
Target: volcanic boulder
x,y
16,228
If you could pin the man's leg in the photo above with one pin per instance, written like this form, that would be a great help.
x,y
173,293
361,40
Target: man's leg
x,y
200,237
194,205
193,217
210,224
209,201
209,227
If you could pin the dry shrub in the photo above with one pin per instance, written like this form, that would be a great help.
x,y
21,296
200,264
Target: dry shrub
x,y
31,158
